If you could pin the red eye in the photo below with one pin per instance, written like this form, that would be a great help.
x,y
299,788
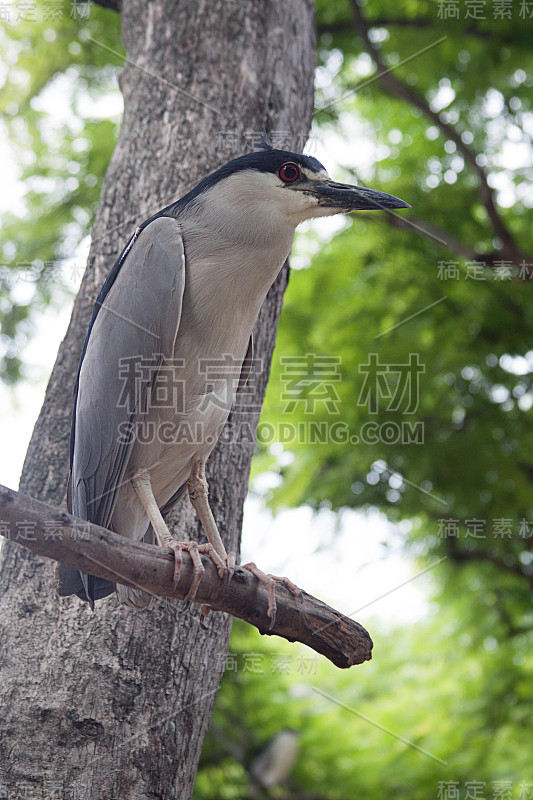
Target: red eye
x,y
289,173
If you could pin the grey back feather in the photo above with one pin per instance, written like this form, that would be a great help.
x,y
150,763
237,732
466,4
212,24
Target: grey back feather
x,y
134,331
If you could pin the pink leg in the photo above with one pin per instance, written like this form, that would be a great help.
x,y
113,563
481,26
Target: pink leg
x,y
199,496
143,487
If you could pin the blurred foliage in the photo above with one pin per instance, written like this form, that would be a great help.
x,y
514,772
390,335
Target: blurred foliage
x,y
60,156
460,696
434,341
374,296
458,305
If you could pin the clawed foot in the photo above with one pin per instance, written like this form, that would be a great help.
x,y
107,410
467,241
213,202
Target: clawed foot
x,y
225,567
270,582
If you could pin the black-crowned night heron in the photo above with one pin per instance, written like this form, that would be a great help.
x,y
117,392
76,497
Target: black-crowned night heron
x,y
185,293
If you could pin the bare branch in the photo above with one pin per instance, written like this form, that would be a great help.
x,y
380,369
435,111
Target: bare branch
x,y
428,229
114,5
53,533
345,26
490,556
400,89
459,556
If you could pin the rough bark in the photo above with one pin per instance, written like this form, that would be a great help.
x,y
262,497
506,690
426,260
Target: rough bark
x,y
115,704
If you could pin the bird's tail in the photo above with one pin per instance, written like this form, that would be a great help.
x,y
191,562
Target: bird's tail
x,y
87,587
135,598
71,581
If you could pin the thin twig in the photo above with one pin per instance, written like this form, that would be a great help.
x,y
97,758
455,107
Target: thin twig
x,y
397,87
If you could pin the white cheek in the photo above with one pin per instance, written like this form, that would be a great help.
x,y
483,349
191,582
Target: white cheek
x,y
325,211
296,203
307,207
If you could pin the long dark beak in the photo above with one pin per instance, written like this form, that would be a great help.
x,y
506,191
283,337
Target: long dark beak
x,y
354,198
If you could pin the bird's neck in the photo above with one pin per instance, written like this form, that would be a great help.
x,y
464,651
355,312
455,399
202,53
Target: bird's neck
x,y
232,260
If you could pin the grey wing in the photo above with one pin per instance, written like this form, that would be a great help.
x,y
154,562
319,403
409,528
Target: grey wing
x,y
134,331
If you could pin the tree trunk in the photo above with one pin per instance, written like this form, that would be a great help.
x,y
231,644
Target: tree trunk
x,y
115,704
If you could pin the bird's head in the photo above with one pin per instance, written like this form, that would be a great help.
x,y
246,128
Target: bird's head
x,y
292,185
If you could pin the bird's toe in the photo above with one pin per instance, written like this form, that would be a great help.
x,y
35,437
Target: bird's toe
x,y
198,573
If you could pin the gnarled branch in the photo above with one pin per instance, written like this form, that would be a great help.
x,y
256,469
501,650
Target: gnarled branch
x,y
114,5
398,88
428,229
344,26
53,533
